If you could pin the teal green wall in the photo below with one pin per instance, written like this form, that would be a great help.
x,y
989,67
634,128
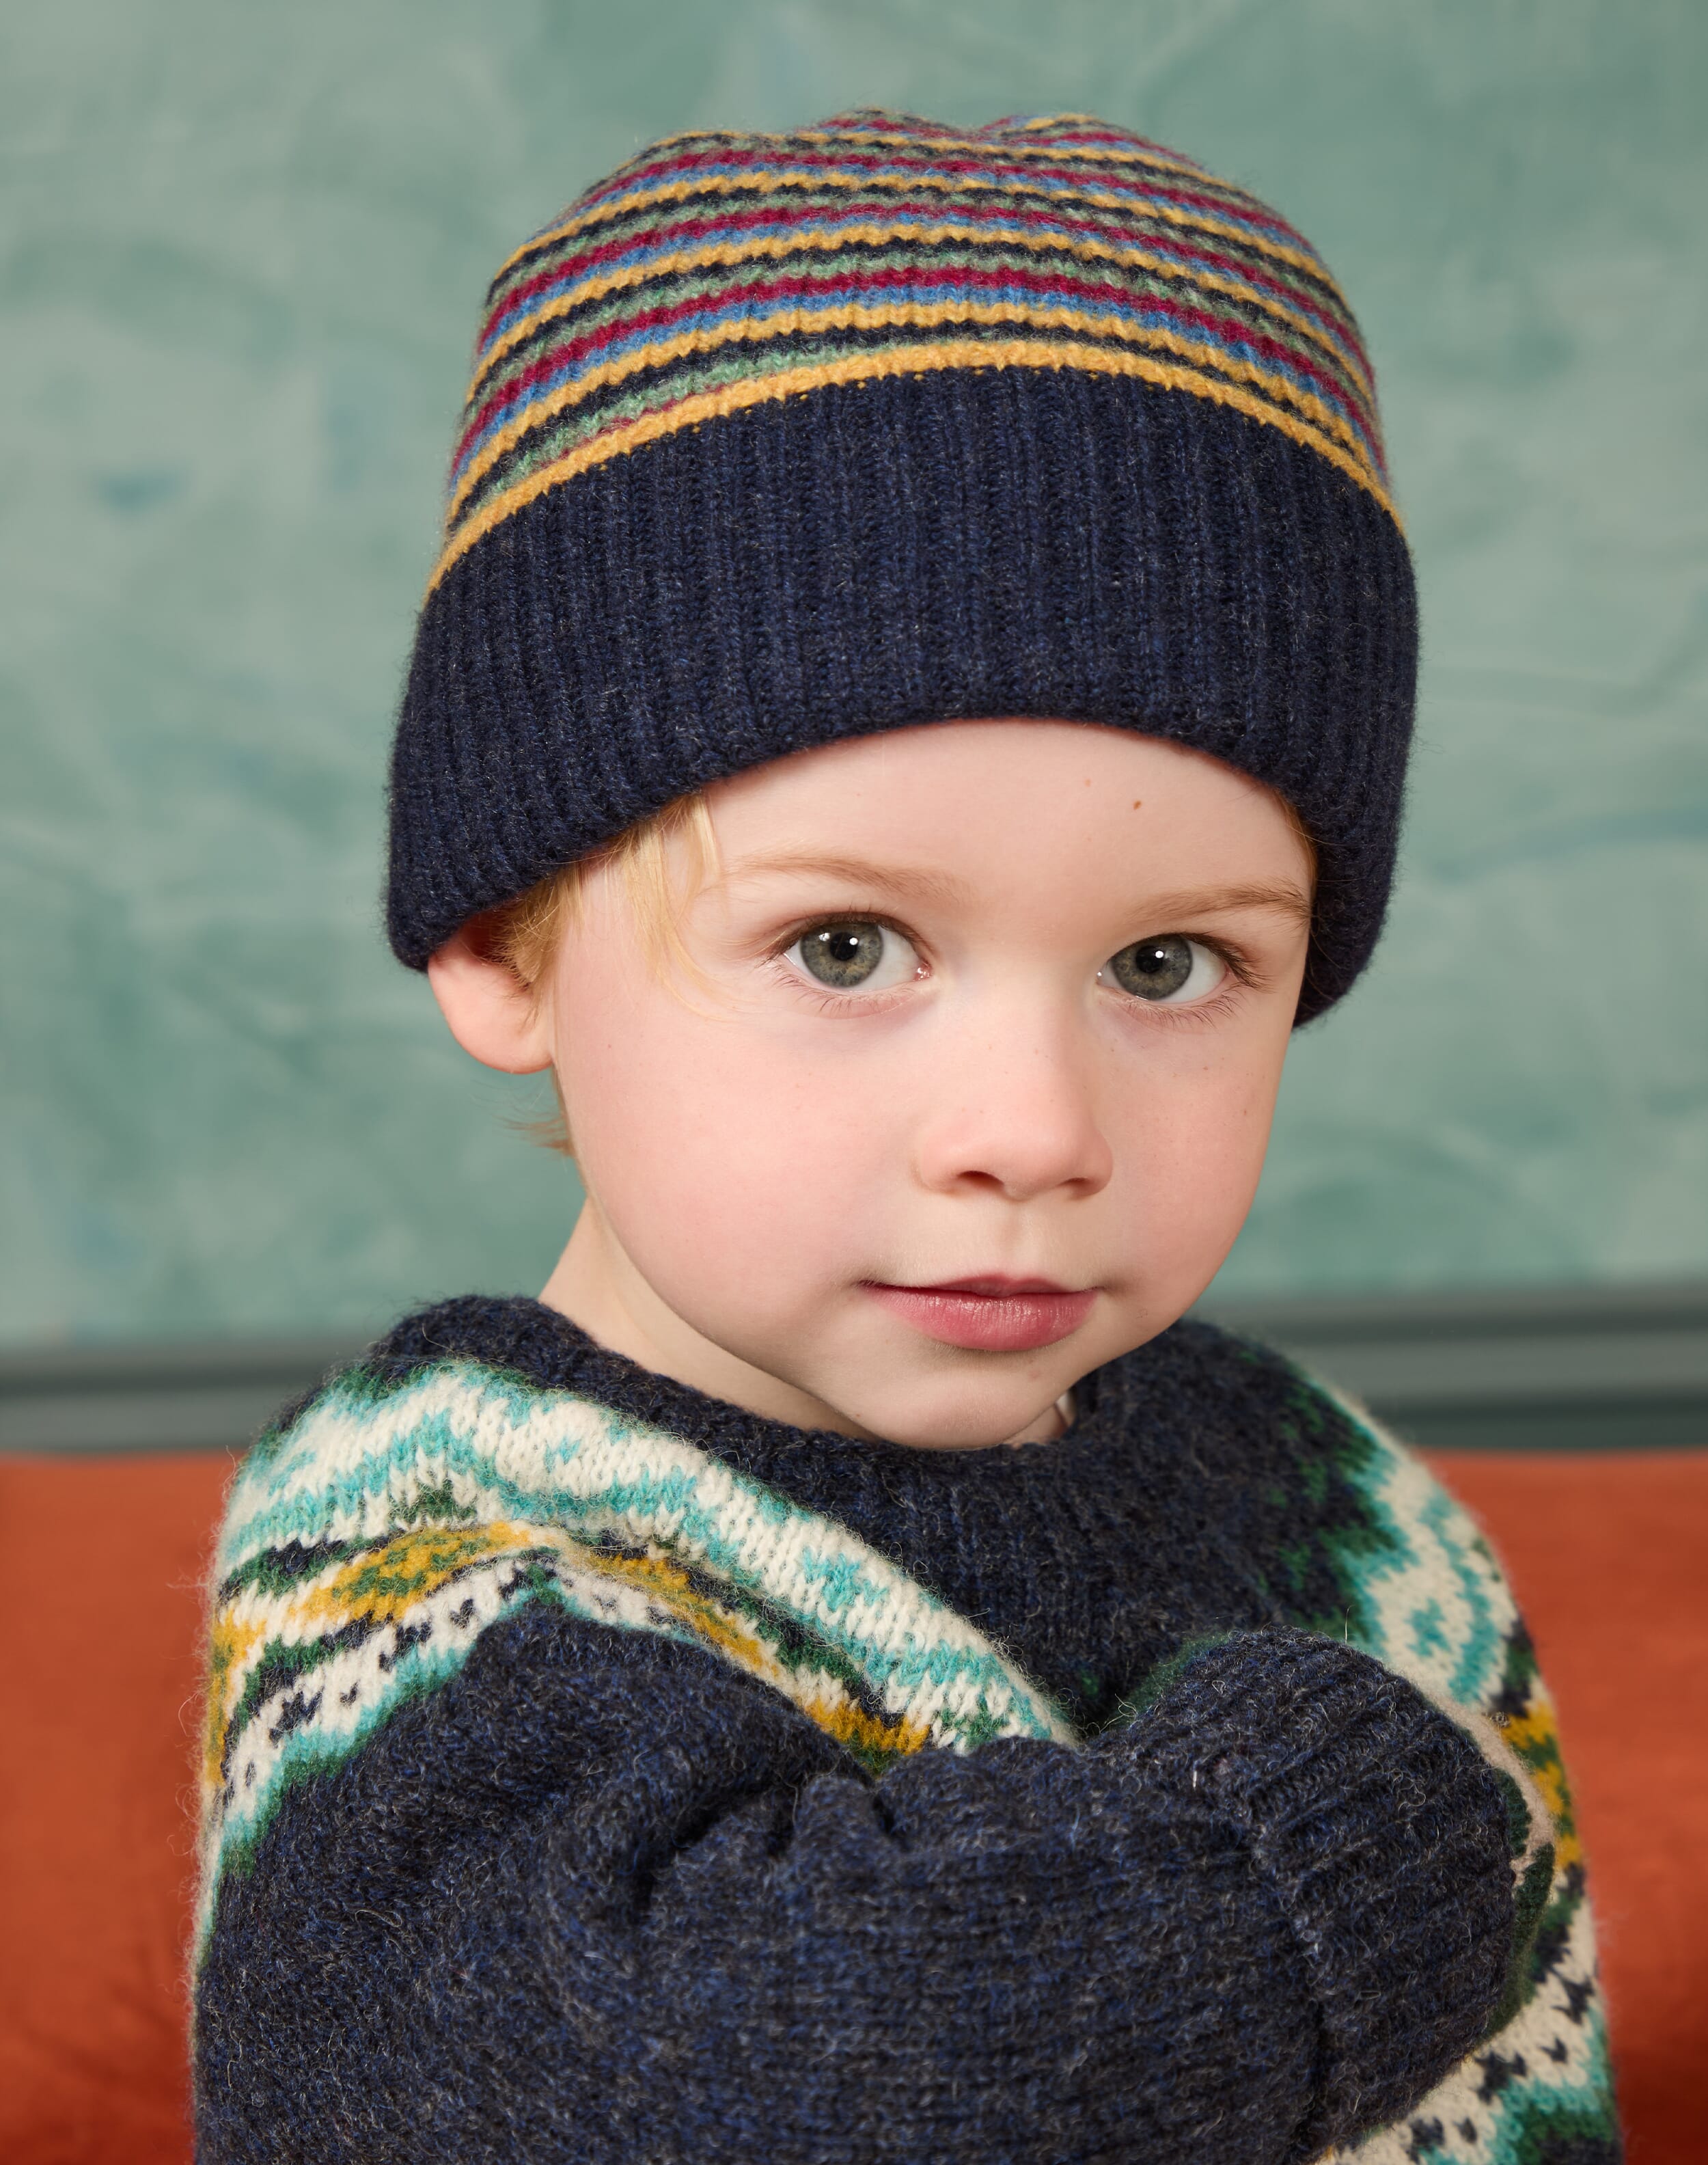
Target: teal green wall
x,y
243,250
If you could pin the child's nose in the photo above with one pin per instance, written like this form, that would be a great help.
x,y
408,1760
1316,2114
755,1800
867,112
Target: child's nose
x,y
1015,1109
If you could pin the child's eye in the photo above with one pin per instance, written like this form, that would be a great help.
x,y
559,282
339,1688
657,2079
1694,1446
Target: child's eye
x,y
855,955
1172,969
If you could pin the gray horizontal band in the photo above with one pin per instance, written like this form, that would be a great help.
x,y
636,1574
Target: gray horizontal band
x,y
1603,1368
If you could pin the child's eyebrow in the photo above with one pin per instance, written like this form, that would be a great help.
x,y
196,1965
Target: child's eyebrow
x,y
909,882
1206,901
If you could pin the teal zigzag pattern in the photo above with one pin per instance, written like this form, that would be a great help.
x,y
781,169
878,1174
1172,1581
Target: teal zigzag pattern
x,y
367,1545
1432,1602
370,1542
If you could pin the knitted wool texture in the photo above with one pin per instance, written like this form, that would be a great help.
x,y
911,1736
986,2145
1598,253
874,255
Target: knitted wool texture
x,y
596,1771
776,439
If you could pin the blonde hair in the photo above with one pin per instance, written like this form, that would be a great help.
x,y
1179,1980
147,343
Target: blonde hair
x,y
525,935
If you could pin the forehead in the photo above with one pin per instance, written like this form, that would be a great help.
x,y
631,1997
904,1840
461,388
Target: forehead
x,y
1007,802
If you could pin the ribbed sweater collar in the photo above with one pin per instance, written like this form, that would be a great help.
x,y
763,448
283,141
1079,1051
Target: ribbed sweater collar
x,y
1086,1558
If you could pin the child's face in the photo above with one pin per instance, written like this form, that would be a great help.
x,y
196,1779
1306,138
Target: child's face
x,y
997,1006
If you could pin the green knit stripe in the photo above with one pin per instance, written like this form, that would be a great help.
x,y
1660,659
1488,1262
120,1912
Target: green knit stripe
x,y
1429,1600
367,1546
714,274
370,1543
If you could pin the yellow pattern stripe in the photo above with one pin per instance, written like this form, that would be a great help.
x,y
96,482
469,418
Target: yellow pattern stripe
x,y
1040,121
997,147
1535,1737
730,254
232,1641
774,180
905,315
990,147
388,1583
381,1585
619,440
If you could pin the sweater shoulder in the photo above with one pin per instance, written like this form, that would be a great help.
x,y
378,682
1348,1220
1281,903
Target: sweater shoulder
x,y
1359,1539
419,1499
1352,1530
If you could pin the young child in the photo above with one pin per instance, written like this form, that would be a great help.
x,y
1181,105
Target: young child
x,y
911,711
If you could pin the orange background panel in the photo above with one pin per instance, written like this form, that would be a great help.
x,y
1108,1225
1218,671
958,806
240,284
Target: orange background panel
x,y
1609,1557
101,1561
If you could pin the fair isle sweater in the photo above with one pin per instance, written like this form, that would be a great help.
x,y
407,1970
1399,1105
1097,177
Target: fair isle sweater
x,y
598,1772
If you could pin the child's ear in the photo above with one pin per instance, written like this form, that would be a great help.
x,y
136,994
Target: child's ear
x,y
493,1014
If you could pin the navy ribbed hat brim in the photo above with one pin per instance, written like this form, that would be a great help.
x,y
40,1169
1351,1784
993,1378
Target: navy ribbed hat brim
x,y
970,543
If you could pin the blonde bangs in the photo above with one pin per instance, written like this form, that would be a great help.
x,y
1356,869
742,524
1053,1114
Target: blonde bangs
x,y
525,934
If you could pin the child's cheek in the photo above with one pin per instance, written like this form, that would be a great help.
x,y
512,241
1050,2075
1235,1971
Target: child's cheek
x,y
737,1166
1190,1158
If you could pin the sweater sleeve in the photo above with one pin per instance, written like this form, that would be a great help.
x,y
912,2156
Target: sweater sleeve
x,y
600,1897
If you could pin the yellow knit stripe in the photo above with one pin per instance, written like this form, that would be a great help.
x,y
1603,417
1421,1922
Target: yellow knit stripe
x,y
978,147
995,148
730,254
668,1585
1535,1737
864,1734
386,1584
773,181
231,1641
1040,121
380,1585
908,315
619,440
386,1581
823,1698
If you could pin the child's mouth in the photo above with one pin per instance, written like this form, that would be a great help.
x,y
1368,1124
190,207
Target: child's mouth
x,y
989,1314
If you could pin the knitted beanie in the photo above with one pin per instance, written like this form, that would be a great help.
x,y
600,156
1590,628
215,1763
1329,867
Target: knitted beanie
x,y
776,439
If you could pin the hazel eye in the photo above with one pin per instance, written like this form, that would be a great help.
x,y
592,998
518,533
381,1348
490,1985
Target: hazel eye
x,y
855,955
1171,969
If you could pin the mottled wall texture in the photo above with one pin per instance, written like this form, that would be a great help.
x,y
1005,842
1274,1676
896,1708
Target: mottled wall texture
x,y
243,248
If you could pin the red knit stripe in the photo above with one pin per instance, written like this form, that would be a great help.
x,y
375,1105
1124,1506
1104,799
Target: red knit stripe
x,y
1222,330
1235,205
586,261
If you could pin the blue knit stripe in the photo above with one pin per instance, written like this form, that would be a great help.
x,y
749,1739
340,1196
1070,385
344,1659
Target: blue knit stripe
x,y
1213,272
950,304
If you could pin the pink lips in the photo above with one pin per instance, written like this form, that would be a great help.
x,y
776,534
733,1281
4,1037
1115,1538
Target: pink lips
x,y
989,1314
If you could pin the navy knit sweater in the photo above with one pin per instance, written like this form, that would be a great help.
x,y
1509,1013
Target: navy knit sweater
x,y
591,1891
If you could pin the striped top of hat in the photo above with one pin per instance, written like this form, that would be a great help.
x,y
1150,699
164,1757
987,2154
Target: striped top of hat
x,y
716,271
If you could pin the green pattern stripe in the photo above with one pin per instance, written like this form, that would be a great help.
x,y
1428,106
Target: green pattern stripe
x,y
713,266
